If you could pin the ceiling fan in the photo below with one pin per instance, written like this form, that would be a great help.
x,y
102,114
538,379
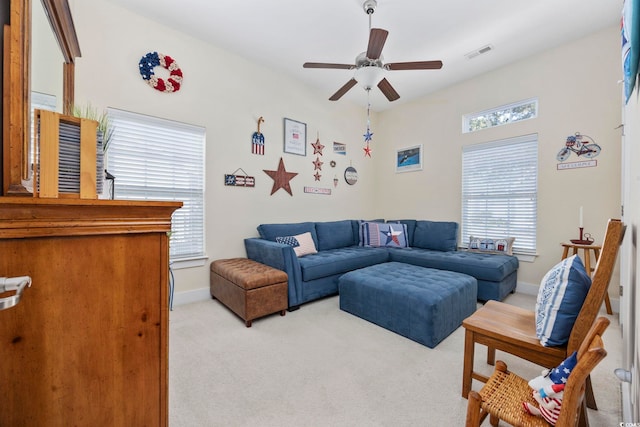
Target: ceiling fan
x,y
369,66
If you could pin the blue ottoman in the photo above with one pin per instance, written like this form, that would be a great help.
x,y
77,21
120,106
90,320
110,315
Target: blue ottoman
x,y
422,304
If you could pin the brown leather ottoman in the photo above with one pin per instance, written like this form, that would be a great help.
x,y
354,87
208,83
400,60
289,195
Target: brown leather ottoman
x,y
248,288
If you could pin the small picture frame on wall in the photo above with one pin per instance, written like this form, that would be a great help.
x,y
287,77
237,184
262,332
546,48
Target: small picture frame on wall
x,y
409,159
295,137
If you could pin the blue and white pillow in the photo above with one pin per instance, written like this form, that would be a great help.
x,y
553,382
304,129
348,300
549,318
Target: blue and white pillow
x,y
380,234
302,243
562,292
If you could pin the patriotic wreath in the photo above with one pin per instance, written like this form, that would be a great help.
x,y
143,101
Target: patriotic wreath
x,y
155,59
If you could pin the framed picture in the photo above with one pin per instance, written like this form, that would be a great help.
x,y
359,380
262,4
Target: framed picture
x,y
295,137
409,159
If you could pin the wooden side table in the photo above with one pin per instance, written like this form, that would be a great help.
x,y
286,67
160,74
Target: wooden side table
x,y
586,258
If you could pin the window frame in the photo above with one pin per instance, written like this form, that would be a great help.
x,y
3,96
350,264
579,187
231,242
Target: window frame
x,y
500,200
162,179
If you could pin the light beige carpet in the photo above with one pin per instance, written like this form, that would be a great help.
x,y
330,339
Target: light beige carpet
x,y
320,366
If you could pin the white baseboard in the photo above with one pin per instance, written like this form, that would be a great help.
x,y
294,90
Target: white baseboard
x,y
187,297
531,289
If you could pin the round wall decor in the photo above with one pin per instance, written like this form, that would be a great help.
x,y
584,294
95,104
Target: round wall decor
x,y
155,59
351,175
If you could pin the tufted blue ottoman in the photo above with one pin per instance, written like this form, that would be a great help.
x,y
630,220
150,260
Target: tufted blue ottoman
x,y
422,304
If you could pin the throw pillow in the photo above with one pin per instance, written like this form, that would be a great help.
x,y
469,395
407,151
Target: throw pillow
x,y
360,222
492,246
302,243
562,292
378,234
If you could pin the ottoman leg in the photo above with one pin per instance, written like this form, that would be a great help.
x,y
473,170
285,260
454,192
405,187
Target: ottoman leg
x,y
283,312
248,323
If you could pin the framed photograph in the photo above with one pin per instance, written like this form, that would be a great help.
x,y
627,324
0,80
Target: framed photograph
x,y
295,137
409,159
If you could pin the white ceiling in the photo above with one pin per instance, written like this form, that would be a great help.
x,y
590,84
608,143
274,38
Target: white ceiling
x,y
283,34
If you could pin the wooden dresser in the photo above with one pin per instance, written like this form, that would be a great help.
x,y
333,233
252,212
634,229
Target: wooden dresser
x,y
87,343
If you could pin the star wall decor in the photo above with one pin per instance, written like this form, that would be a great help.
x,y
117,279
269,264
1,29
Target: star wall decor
x,y
367,150
317,176
281,178
317,147
317,164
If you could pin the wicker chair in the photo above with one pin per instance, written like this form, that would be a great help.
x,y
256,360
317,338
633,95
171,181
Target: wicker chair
x,y
502,396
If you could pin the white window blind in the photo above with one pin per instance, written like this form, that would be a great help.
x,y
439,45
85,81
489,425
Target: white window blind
x,y
499,191
158,159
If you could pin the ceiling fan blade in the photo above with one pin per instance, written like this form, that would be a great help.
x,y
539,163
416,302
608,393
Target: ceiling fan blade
x,y
388,90
416,65
377,37
325,65
344,89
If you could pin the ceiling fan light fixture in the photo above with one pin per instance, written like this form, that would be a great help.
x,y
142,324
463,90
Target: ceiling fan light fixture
x,y
369,76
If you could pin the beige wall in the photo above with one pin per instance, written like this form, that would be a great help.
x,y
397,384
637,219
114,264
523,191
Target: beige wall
x,y
577,88
225,94
576,85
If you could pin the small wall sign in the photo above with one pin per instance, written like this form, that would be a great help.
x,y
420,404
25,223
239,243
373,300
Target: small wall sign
x,y
317,190
233,180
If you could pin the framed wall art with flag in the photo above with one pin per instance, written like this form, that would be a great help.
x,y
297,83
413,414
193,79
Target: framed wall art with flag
x,y
295,137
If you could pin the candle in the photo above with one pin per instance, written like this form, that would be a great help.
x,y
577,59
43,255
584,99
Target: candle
x,y
580,216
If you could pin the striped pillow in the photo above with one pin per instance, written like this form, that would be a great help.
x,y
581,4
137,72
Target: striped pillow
x,y
560,297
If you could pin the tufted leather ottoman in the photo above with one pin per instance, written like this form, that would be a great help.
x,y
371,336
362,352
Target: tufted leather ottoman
x,y
248,288
422,304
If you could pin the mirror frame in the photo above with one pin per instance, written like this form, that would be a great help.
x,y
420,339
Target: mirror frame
x,y
17,84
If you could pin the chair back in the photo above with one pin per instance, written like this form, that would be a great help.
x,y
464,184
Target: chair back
x,y
591,352
599,284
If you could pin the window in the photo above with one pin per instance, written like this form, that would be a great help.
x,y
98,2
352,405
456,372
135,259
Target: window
x,y
158,159
499,191
502,115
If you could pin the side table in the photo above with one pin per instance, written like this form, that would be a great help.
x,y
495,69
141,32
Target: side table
x,y
586,258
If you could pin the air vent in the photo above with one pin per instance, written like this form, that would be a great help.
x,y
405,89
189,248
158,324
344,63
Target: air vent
x,y
477,52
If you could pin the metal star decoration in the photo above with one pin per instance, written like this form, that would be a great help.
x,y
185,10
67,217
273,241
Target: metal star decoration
x,y
368,135
317,164
281,178
367,151
317,147
317,176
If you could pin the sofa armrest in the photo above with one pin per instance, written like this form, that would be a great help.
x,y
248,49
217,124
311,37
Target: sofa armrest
x,y
282,257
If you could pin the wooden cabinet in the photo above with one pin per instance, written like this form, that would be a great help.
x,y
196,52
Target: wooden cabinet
x,y
87,343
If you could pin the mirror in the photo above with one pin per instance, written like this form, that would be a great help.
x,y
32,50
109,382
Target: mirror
x,y
17,72
46,62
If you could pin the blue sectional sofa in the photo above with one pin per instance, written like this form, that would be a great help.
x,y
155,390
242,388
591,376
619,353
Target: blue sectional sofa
x,y
430,244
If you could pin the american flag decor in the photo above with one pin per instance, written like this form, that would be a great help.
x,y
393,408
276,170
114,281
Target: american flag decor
x,y
233,180
257,140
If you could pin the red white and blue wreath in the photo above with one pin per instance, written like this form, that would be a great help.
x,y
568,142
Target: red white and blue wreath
x,y
155,59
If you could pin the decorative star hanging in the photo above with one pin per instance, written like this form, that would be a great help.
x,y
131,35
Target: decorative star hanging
x,y
317,147
368,135
317,176
317,164
281,178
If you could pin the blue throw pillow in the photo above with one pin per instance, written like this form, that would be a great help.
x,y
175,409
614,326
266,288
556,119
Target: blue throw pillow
x,y
378,234
436,235
562,292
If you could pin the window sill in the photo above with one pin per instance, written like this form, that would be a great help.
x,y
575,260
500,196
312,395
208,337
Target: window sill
x,y
188,263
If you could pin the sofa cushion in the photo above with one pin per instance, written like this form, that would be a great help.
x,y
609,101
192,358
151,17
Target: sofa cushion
x,y
334,234
560,297
391,234
341,260
493,268
302,243
411,227
271,231
436,235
